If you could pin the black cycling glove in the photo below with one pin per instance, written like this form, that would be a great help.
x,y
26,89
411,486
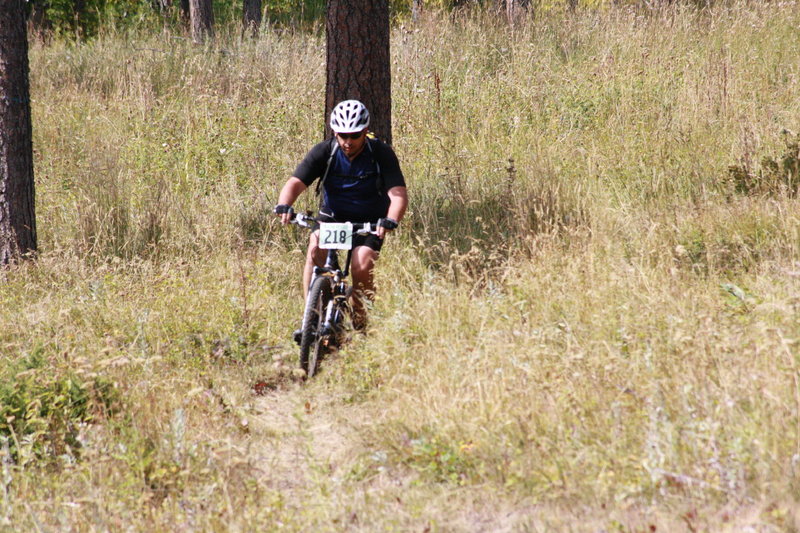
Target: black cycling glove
x,y
281,209
388,223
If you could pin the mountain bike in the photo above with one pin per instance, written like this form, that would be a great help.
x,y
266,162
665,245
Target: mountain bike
x,y
329,291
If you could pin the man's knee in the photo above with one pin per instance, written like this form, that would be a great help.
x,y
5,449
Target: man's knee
x,y
314,255
311,254
360,270
363,264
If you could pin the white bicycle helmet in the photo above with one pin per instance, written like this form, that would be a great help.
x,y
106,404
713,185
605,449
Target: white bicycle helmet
x,y
349,116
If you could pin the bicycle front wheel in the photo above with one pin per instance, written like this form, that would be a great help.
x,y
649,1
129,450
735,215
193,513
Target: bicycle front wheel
x,y
311,342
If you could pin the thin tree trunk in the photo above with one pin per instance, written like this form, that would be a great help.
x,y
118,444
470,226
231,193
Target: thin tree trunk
x,y
251,15
416,9
78,16
37,20
159,5
186,16
513,9
358,65
202,20
17,214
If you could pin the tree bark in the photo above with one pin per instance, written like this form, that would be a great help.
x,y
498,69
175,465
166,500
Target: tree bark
x,y
202,20
17,214
251,15
358,64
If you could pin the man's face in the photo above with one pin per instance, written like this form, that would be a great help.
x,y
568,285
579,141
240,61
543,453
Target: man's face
x,y
352,143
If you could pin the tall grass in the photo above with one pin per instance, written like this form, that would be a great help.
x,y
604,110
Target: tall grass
x,y
584,323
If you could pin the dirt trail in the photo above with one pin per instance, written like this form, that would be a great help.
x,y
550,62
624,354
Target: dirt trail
x,y
308,444
304,437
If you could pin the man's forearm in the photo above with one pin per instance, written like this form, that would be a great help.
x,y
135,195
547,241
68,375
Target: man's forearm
x,y
398,203
291,190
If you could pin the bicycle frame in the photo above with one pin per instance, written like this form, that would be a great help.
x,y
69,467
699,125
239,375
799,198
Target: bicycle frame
x,y
338,279
333,271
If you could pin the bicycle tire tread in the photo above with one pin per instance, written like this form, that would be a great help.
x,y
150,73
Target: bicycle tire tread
x,y
318,295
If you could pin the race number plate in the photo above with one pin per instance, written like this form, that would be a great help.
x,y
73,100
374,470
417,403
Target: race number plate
x,y
336,235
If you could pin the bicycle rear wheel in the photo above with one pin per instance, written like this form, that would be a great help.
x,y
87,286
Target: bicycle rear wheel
x,y
312,340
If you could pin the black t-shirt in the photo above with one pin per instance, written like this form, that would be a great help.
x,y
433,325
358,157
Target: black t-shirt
x,y
353,190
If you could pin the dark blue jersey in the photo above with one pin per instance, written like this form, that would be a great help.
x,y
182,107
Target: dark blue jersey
x,y
355,190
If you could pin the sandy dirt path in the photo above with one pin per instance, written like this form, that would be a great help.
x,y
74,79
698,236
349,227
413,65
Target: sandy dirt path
x,y
305,438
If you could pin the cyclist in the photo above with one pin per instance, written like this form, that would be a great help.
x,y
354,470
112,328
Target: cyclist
x,y
360,181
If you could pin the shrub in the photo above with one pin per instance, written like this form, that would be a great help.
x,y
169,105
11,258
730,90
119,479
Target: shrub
x,y
41,411
776,176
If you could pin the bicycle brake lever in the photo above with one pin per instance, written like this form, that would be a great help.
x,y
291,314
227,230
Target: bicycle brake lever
x,y
302,219
367,229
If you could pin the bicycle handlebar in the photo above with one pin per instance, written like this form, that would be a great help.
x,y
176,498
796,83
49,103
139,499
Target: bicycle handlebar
x,y
307,220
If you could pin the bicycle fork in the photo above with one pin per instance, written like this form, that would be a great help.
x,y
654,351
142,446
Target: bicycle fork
x,y
334,311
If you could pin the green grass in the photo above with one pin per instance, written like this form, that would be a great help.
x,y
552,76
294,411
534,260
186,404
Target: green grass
x,y
586,322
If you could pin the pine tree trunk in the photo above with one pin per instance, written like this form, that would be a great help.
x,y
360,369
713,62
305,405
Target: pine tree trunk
x,y
17,215
202,20
251,15
358,64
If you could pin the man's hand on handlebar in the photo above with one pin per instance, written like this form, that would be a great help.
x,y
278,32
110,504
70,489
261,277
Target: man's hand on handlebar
x,y
289,216
285,212
384,225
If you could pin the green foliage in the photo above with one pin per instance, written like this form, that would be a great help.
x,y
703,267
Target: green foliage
x,y
732,245
436,459
294,11
66,18
85,18
42,411
82,19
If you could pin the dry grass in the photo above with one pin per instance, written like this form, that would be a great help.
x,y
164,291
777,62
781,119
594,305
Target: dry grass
x,y
583,325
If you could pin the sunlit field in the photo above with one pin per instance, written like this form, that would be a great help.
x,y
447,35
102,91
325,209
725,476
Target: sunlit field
x,y
588,321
